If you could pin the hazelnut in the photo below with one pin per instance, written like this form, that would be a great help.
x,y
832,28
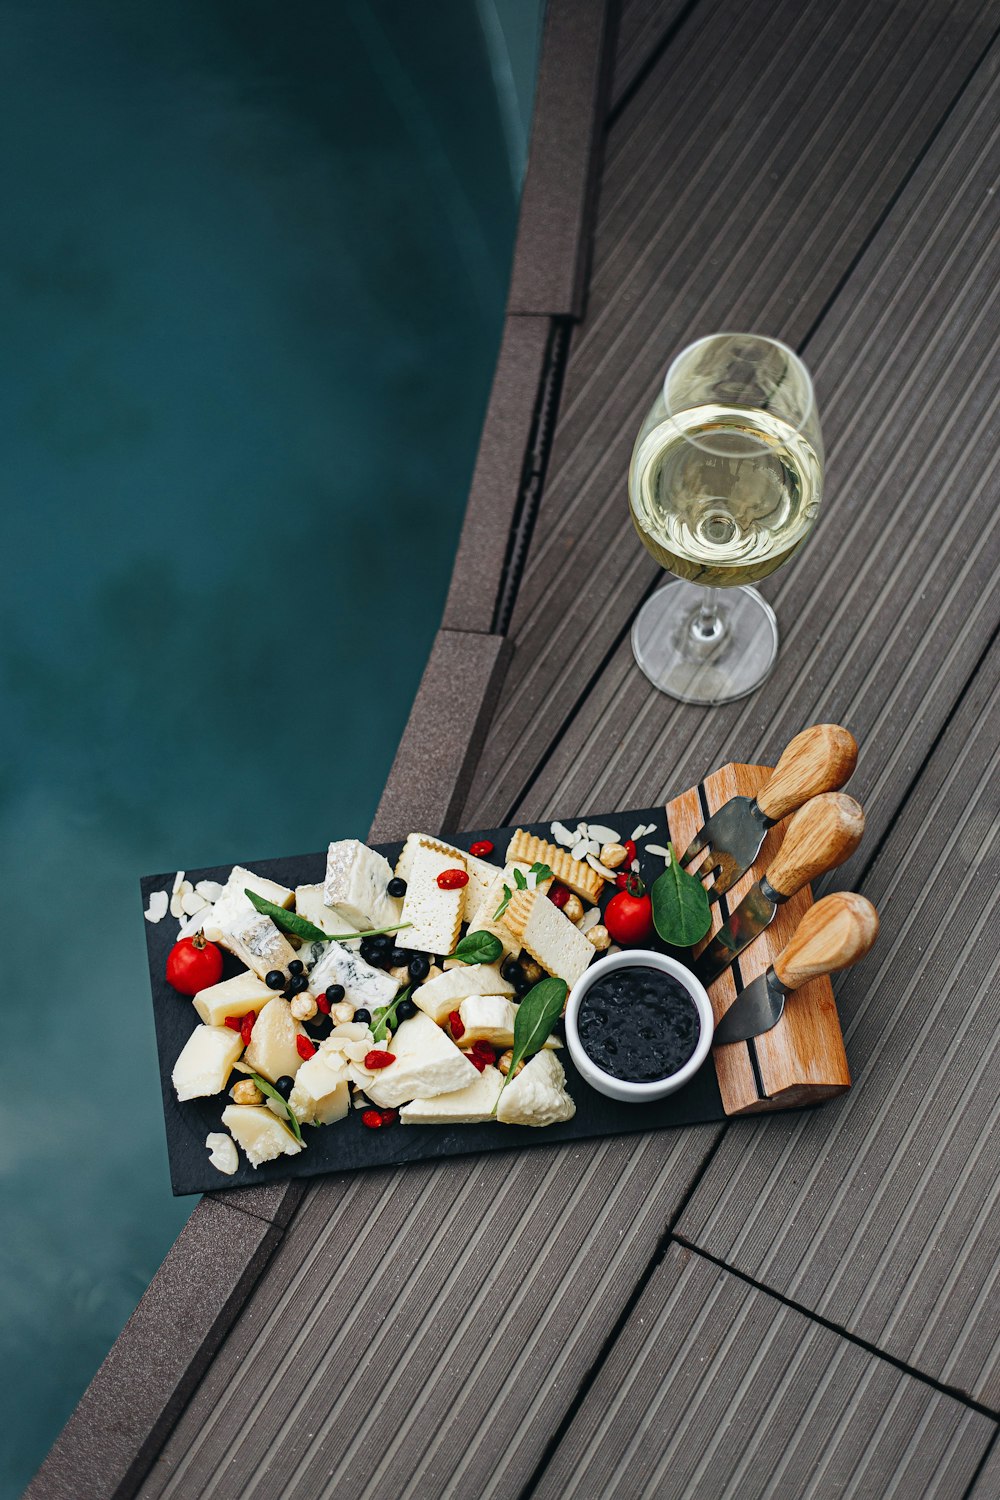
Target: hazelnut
x,y
343,1011
532,972
573,908
613,855
432,972
304,1006
400,974
505,1059
599,936
246,1092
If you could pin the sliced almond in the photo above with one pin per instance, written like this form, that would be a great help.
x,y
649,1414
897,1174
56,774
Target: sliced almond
x,y
603,834
192,902
159,902
602,870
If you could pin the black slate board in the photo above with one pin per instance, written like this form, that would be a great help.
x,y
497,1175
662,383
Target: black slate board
x,y
348,1145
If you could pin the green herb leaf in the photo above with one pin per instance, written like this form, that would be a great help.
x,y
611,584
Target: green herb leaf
x,y
387,1017
507,898
272,1093
681,913
520,881
290,921
478,948
541,872
537,1014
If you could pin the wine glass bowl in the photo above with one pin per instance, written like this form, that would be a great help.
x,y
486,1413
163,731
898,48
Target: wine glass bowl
x,y
725,483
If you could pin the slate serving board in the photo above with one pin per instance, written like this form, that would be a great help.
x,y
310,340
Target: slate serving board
x,y
348,1145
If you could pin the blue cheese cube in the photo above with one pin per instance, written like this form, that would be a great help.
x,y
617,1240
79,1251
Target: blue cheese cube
x,y
356,881
364,984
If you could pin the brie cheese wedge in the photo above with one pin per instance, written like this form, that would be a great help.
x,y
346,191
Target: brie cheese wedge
x,y
364,985
261,1134
427,1063
272,1051
472,1105
356,881
205,1062
234,910
231,997
537,1096
439,996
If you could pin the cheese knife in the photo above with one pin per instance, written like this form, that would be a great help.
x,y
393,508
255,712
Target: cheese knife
x,y
819,759
833,934
820,836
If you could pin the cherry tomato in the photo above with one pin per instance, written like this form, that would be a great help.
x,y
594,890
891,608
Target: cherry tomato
x,y
629,915
193,964
452,880
558,894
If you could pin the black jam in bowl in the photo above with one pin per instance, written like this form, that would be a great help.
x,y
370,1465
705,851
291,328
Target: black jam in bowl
x,y
638,1024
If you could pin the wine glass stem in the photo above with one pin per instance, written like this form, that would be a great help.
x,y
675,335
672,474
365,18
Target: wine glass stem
x,y
707,624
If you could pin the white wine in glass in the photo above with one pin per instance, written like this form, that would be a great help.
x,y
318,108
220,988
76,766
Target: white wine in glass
x,y
725,482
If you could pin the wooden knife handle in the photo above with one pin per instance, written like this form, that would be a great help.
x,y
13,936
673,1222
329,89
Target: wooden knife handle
x,y
832,935
819,837
819,759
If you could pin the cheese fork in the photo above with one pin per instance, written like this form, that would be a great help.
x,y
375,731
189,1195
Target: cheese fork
x,y
833,934
819,759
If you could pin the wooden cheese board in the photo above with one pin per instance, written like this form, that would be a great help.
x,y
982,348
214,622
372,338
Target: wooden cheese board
x,y
801,1062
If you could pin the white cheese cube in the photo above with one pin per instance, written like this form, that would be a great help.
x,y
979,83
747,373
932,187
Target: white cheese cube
x,y
261,947
427,1063
231,997
272,1051
364,985
321,1093
480,871
261,1134
234,910
488,1018
435,915
356,881
469,1106
549,936
439,996
309,903
537,1096
205,1062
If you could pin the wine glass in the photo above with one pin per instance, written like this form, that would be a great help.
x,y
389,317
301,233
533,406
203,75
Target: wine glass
x,y
725,482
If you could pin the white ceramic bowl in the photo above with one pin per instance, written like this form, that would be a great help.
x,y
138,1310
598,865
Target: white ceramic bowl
x,y
621,1088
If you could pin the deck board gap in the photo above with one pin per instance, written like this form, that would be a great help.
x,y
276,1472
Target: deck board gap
x,y
955,1393
656,52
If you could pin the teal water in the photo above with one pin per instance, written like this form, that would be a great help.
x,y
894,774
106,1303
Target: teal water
x,y
251,284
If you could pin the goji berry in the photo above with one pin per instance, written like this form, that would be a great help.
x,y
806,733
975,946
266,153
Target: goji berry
x,y
235,1023
390,1116
372,1118
304,1048
377,1058
484,1050
453,880
456,1024
479,1063
621,879
323,1004
481,849
246,1026
630,852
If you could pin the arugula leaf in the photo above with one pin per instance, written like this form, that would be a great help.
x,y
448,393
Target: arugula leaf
x,y
478,948
537,1014
387,1017
290,921
541,872
272,1093
681,913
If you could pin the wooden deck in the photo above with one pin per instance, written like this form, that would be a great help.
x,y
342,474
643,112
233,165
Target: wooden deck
x,y
798,1305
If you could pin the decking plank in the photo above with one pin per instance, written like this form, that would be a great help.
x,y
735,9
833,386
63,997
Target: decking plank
x,y
854,102
409,1312
715,1388
642,26
882,1212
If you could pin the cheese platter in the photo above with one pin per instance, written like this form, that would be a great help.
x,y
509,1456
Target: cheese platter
x,y
374,1005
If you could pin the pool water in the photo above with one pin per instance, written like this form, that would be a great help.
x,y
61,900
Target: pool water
x,y
253,274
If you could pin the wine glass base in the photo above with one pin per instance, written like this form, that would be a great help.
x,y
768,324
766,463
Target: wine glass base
x,y
705,666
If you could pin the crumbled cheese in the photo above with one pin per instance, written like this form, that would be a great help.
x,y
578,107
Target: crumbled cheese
x,y
157,908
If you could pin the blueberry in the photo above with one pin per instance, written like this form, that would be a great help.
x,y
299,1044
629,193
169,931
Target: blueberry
x,y
396,887
398,957
511,971
418,967
275,980
404,1010
370,951
298,984
284,1085
362,1016
296,966
522,984
335,993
